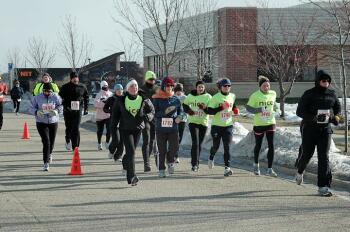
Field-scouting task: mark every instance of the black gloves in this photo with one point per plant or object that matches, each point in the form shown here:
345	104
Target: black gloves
86	112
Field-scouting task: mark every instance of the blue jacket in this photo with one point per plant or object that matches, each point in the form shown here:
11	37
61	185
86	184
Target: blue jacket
39	101
167	108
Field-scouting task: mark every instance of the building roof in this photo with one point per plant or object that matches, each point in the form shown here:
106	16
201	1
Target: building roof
102	61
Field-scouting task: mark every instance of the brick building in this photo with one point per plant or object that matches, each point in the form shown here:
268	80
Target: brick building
232	40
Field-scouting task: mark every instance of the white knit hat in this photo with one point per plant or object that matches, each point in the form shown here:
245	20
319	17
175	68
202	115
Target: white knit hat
130	83
104	83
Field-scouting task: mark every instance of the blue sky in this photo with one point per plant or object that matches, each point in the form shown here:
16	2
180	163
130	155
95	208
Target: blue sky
22	19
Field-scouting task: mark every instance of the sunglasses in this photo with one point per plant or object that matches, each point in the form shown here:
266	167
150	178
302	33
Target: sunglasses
226	86
326	80
170	86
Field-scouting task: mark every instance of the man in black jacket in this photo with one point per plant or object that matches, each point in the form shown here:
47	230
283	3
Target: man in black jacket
149	132
318	107
75	99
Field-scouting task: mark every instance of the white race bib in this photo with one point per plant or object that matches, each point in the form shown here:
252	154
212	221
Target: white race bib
226	116
199	113
326	113
74	105
47	107
167	122
19	100
265	115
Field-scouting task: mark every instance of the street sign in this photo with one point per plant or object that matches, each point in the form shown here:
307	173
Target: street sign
10	65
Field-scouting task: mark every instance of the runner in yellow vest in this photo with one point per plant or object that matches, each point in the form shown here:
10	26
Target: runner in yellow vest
262	104
46	78
195	105
222	106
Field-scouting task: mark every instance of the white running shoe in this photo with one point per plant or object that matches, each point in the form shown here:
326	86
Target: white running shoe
177	160
324	191
299	178
228	171
271	172
210	164
46	167
162	174
99	147
69	146
171	168
256	169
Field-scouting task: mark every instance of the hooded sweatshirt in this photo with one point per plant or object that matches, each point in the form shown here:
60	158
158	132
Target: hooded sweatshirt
42	102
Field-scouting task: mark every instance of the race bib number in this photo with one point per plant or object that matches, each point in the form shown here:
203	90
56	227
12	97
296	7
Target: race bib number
265	115
226	116
19	99
167	122
74	105
48	107
199	113
324	116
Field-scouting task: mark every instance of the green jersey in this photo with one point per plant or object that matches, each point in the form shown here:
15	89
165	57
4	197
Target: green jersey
133	106
223	118
199	117
265	101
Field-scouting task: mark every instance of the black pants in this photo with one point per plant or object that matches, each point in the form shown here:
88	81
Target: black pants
72	121
47	133
131	139
259	132
168	145
100	126
1	112
148	137
224	133
16	104
311	137
181	128
197	134
116	146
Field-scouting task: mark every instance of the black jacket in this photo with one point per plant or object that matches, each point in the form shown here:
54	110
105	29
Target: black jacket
71	92
107	108
16	92
315	99
148	91
126	121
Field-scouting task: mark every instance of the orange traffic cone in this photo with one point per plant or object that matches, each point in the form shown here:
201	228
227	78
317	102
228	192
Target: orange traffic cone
25	132
76	167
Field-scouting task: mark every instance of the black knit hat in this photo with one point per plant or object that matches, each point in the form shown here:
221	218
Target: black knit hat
73	75
262	80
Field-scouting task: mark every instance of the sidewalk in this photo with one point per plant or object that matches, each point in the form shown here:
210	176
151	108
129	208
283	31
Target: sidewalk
101	200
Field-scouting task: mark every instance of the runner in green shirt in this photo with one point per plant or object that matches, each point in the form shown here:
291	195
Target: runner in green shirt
195	105
262	104
222	106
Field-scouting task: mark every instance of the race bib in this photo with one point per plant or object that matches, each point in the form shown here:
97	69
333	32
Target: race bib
198	113
167	122
265	115
325	118
47	107
74	105
19	99
226	116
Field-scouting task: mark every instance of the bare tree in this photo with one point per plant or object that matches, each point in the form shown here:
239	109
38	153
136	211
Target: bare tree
338	29
199	31
132	48
39	55
75	47
284	50
163	18
14	57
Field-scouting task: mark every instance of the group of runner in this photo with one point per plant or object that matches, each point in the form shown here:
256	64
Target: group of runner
160	114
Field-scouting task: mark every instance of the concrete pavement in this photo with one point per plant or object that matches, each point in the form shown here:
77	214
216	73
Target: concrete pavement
101	200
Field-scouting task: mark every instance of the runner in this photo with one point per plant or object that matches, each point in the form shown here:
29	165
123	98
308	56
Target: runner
149	144
46	78
75	99
262	104
46	108
116	147
168	115
16	96
3	92
130	112
102	118
222	106
179	92
195	105
318	107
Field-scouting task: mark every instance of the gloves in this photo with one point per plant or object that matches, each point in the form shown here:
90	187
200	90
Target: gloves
190	112
53	113
321	118
40	113
86	112
225	105
236	111
336	119
202	106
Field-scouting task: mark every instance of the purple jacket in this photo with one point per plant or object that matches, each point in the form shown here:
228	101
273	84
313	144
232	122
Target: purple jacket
41	102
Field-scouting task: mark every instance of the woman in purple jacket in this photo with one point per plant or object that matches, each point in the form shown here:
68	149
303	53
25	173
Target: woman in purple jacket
46	108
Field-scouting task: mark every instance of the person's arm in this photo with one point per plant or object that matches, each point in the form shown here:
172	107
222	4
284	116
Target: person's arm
115	113
59	106
253	110
149	110
302	109
86	101
108	104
